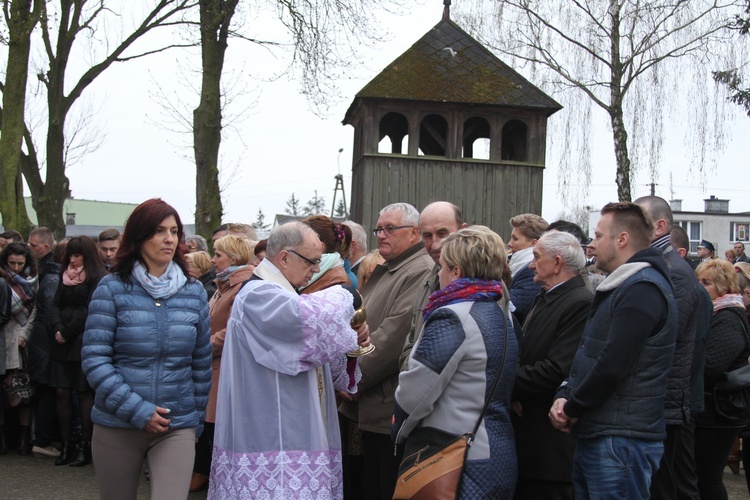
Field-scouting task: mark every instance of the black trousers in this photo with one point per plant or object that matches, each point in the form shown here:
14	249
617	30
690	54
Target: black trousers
676	477
204	449
45	416
380	466
712	446
527	488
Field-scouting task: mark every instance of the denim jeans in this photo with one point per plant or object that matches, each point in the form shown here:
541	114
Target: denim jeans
614	467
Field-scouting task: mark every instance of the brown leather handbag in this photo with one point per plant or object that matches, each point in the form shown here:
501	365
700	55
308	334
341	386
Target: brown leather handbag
433	470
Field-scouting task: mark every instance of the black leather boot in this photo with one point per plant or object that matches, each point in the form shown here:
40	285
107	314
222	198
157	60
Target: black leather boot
24	446
66	454
3	440
83	455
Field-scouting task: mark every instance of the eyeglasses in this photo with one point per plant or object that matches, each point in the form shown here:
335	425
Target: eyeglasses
387	229
315	262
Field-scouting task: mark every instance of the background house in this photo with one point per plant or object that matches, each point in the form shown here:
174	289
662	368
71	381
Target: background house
715	224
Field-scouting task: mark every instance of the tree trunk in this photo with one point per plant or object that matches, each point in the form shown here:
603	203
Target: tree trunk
49	202
619	132
23	18
215	16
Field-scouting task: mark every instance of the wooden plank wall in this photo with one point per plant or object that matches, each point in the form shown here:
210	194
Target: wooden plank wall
488	193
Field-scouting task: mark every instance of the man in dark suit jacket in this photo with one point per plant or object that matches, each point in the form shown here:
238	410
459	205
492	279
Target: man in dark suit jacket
551	335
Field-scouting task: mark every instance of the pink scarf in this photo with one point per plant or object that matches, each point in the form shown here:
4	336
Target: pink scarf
74	276
728	300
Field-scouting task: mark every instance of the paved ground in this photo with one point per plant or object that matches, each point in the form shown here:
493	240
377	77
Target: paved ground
31	478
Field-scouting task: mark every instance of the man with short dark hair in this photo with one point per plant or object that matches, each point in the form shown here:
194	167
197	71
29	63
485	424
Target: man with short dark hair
41	242
676	477
739	253
551	335
613	399
108	244
389	297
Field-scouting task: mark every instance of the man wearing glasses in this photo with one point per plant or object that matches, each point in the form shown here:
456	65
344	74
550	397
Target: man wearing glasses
389	297
283	360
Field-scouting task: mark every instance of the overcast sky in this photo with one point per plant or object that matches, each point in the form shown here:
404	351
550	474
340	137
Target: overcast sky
279	147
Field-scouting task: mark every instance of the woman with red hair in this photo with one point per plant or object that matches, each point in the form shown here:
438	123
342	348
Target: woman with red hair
146	352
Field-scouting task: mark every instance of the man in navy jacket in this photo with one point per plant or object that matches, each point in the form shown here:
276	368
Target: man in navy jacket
613	399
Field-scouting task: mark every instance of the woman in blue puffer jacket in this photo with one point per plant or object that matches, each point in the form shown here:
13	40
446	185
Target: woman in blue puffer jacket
146	353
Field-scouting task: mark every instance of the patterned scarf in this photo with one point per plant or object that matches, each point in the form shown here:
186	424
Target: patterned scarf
226	273
23	290
74	276
728	300
464	290
161	287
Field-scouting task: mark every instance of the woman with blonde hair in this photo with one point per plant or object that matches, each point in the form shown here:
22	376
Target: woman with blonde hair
467	349
201	268
727	348
231	257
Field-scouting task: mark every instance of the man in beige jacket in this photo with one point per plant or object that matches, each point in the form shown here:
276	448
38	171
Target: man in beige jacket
389	298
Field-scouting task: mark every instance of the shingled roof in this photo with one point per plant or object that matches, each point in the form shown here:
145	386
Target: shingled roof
448	65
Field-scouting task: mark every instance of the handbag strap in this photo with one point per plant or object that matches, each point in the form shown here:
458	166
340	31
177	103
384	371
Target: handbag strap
497	378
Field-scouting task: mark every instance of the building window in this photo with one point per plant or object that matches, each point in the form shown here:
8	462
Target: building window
740	231
513	145
433	133
476	142
394	134
693	230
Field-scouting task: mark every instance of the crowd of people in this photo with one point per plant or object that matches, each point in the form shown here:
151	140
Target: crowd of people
306	366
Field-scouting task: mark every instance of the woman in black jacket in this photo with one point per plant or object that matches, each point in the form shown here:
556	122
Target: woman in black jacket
81	271
727	348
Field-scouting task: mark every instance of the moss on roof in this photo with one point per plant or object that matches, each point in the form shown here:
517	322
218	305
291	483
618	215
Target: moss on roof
448	65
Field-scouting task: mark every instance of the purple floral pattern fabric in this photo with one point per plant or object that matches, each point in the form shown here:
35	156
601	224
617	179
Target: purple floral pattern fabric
326	333
276	475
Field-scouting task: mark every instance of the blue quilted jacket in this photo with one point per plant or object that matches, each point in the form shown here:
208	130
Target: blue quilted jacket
139	353
523	291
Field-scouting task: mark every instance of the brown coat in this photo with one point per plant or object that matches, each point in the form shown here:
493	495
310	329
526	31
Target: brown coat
389	297
219	308
334	276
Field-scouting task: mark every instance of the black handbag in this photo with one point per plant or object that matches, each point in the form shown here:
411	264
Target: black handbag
18	386
732	393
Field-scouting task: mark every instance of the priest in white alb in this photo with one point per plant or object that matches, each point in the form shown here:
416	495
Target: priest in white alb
284	357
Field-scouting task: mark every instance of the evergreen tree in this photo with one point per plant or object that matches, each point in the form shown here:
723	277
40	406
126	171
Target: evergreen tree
260	221
340	209
292	206
316	205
